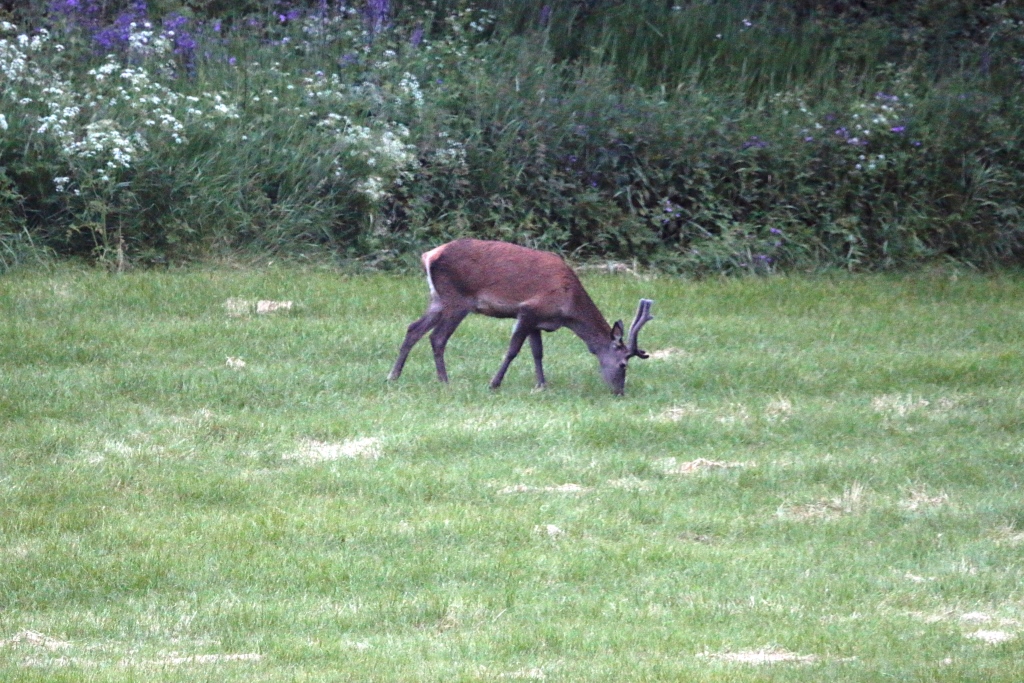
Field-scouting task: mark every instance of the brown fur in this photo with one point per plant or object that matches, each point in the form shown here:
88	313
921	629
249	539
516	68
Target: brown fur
505	280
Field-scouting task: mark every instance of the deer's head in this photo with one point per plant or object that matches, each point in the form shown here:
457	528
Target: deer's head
614	358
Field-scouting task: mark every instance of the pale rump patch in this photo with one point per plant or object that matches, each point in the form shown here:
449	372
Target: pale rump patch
428	258
311	451
561	488
672	466
766	656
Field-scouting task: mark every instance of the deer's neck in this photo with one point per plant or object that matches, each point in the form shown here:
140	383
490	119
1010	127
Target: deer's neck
589	323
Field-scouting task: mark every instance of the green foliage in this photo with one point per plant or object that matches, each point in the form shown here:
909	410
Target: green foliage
699	137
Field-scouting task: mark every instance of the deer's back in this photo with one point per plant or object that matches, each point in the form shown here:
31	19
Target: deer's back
497	278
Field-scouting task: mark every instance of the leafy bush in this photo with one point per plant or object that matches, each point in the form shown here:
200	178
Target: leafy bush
724	137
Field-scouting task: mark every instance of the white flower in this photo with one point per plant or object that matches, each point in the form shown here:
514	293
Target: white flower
3	122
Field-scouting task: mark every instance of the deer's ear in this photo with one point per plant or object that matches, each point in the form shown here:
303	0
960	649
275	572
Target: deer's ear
617	331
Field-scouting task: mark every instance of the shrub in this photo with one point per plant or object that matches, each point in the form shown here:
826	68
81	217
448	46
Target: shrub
699	138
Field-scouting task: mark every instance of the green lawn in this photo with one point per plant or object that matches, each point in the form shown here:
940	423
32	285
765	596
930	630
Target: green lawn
812	479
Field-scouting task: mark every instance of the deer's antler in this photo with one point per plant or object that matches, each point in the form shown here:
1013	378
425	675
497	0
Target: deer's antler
643	315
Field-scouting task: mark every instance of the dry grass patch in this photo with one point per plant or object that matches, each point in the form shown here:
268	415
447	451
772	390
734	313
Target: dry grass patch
534	674
990	629
734	413
182	660
549	530
630	483
772	655
677	413
850	502
991	637
1007	535
899	406
778	410
33	640
920	499
561	488
673	466
665	354
312	451
238	308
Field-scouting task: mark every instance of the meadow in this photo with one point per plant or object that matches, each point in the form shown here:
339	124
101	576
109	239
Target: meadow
813	477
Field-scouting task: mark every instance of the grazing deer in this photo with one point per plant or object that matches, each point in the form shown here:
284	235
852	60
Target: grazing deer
536	288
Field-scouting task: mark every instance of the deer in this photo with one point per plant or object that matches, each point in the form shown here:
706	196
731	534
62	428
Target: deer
537	288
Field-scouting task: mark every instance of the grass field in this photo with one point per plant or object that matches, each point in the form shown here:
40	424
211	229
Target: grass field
814	478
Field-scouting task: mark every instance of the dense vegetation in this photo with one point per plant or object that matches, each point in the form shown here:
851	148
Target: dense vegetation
694	136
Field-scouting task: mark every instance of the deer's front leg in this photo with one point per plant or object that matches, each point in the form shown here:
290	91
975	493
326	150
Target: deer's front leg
519	334
537	346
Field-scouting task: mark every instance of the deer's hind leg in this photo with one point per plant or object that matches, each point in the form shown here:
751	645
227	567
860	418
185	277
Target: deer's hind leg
443	331
415	332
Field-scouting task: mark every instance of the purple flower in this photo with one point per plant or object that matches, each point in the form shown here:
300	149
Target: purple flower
174	22
376	15
755	142
232	61
809	138
84	13
898	129
115	36
416	38
545	15
775	231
